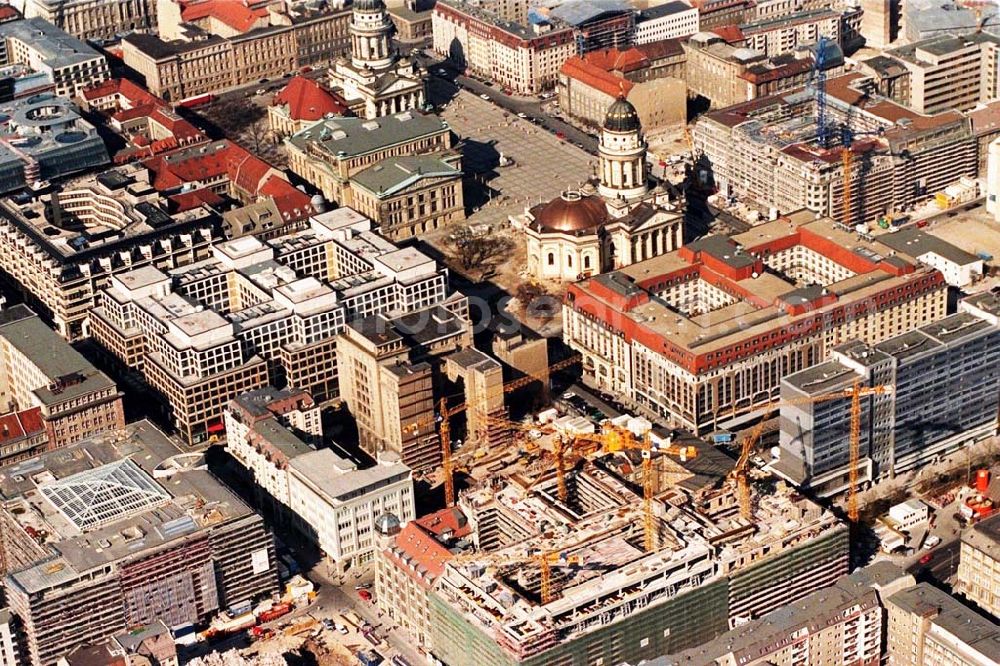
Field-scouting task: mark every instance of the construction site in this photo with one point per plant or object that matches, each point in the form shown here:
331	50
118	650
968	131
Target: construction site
837	148
621	546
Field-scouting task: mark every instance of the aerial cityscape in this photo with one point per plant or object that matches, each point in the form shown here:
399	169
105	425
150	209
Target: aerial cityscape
499	332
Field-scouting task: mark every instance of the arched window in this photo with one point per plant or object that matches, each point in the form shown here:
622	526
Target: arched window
552	259
586	262
569	260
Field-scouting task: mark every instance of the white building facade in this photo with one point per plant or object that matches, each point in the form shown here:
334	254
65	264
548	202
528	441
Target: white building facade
667	21
337	505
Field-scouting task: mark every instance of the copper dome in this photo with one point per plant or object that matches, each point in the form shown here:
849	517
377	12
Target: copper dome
571	212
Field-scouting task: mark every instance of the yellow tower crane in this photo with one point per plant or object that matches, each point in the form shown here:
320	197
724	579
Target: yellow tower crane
545	562
443	420
613	439
749	445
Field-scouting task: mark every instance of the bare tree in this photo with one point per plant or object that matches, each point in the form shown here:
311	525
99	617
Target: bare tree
480	253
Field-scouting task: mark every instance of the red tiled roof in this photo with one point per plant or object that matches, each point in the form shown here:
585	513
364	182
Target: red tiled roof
233	13
16	425
195	199
307	100
595	77
131	92
224	159
7	12
247	171
614	60
293	204
731	33
449	519
661	49
422	550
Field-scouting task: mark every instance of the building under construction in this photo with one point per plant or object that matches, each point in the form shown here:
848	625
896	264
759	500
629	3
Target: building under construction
118	531
572	582
770	151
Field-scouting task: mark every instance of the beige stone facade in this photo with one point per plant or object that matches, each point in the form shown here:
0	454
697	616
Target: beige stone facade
979	565
388	379
38	369
328	153
407	196
928	627
204	63
523	59
95	19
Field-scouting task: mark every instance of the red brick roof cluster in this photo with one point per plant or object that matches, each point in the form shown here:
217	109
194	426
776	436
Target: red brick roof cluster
237	15
226	162
308	100
730	33
18	425
132	102
591	75
449	520
422	552
614	60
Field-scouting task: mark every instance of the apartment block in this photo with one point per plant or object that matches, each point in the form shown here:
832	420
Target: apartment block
204	52
265	429
39	369
82	565
525	59
916	423
339	506
260	312
22	435
667	20
765	151
95	19
68	63
777	36
949	72
979	565
837	625
114	222
409	562
10	652
928	627
391	376
330	152
703	335
726	74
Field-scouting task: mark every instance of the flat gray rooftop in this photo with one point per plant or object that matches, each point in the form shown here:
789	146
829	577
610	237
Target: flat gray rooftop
339	479
944	610
26	332
916	243
191	501
823	378
58	48
985	536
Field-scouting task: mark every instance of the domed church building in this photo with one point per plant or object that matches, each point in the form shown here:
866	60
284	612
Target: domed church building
613	221
374	80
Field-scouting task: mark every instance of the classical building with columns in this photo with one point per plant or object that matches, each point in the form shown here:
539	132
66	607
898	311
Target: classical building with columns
375	81
615	220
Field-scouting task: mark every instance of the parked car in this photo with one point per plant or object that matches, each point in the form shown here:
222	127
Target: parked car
926	558
485	96
931	542
365	595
